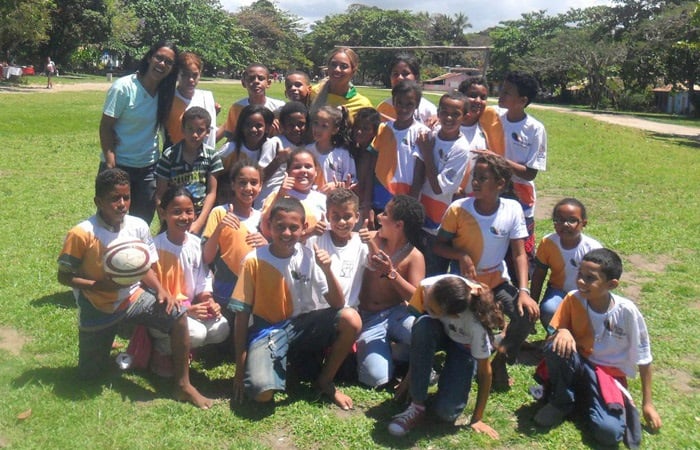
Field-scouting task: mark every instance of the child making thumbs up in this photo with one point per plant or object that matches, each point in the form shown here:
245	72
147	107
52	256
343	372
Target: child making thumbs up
347	251
275	317
232	230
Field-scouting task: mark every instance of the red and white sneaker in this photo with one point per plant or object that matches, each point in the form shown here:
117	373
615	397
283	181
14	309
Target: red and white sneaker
402	423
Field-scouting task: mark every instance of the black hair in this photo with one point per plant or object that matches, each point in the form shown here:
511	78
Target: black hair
166	87
411	212
171	193
108	179
497	165
287	204
410	61
254	66
370	115
300	150
454	95
571	202
339	116
341	196
196	112
293	107
471	81
406	86
250	110
609	262
525	83
298	72
241	162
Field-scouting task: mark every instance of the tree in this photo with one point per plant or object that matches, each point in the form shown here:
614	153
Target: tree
24	26
516	39
683	58
364	25
201	26
275	36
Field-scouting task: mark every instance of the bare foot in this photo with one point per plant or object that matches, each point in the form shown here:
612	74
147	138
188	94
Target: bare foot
341	400
189	393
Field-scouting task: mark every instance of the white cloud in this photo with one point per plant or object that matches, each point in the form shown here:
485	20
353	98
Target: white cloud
481	14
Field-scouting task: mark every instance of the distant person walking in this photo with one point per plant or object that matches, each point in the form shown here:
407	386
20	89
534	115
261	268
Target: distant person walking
50	71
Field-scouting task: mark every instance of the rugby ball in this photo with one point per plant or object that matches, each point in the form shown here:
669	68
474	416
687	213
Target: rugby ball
127	261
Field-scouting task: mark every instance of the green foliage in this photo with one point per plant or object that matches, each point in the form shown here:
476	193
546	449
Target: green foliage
76	23
202	26
364	26
275	36
644	211
24	26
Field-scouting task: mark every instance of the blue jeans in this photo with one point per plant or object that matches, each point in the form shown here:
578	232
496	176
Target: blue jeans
375	365
550	302
573	379
428	336
519	326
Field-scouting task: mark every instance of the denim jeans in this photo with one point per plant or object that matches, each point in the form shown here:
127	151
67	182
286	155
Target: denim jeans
428	337
551	300
374	351
573	380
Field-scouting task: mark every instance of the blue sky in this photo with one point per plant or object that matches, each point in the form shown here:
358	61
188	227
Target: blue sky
481	13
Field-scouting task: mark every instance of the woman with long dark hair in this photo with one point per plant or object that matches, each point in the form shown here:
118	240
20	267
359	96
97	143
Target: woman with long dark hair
137	105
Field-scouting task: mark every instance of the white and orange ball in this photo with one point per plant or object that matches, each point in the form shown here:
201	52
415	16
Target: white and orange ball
127	261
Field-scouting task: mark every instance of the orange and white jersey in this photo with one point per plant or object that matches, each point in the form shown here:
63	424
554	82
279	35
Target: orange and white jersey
83	252
232	245
450	159
616	338
396	159
526	144
180	268
485	238
275	289
562	263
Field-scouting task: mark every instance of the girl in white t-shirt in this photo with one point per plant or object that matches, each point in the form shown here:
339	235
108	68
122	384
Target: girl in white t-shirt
329	128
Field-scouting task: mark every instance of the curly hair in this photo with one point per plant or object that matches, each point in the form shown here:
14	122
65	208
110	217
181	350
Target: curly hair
454	295
411	212
108	179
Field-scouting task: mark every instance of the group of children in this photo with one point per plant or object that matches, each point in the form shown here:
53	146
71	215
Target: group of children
287	212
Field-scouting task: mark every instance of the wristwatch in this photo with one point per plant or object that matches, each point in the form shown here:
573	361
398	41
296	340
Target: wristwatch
392	274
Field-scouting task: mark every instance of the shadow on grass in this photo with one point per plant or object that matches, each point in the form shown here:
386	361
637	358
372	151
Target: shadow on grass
691	142
59	299
429	428
66	384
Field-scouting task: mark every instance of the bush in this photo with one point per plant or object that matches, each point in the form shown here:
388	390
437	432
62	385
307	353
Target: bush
635	101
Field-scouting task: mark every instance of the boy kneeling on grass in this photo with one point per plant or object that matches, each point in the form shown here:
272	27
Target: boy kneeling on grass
599	339
103	304
276	287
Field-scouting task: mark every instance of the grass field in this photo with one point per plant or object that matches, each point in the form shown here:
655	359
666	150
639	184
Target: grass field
641	191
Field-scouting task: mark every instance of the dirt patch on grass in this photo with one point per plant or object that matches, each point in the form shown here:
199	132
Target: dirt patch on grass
683	382
640	270
11	340
279	440
545	205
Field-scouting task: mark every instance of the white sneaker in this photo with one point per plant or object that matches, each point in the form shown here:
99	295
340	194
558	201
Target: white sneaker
402	423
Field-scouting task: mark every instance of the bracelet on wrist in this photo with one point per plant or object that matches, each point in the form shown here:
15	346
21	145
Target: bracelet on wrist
524	289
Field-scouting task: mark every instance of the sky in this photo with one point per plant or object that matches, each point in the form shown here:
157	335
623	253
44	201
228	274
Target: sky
478	11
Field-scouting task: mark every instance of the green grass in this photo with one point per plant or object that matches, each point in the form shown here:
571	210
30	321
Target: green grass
641	194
